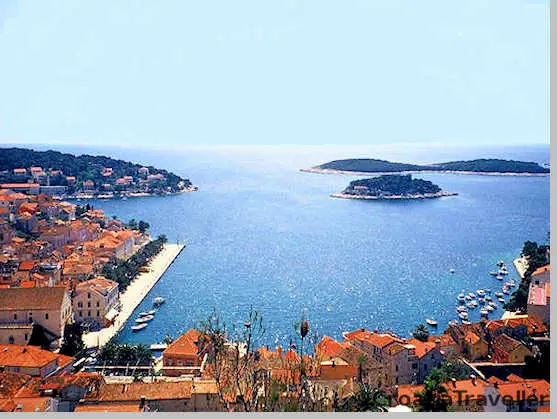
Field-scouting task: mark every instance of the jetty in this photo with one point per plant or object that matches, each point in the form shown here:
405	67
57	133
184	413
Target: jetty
134	294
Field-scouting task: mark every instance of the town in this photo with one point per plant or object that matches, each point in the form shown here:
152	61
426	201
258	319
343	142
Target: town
63	278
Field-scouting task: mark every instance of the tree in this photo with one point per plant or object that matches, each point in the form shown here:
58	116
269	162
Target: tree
365	399
143	226
168	339
72	343
133	224
434	396
421	332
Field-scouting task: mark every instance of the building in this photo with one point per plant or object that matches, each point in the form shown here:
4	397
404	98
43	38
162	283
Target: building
471	340
541	275
184	356
159	396
49	308
33	361
27	188
509	350
539	301
96	300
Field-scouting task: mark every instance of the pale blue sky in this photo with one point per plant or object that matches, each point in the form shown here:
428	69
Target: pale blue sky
274	72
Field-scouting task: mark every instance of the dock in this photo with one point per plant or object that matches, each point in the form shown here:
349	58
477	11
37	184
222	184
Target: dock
134	295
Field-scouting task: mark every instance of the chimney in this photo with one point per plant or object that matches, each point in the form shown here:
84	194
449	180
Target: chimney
473	378
142	402
333	363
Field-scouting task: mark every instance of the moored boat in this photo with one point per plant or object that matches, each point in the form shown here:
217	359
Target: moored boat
151	312
431	322
499	277
461	308
139	327
501	299
463	315
461	297
481	293
493	273
144	319
157	301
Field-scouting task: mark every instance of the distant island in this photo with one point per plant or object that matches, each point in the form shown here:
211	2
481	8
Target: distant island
479	166
85	176
392	187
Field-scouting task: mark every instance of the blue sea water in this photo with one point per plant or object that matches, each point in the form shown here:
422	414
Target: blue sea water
261	233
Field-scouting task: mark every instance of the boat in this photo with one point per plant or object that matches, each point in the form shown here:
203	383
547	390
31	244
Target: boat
500	263
488	298
481	300
501	299
431	322
144	319
143	314
453	323
463	315
481	293
503	272
157	301
484	312
487	290
460	297
470	305
492	304
139	327
151	312
452	270
472	295
490	308
498	294
499	277
465	322
506	291
461	308
493	273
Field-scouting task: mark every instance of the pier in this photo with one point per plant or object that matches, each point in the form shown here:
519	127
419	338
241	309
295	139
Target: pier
134	294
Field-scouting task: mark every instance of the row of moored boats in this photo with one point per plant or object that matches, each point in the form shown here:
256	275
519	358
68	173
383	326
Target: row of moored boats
146	316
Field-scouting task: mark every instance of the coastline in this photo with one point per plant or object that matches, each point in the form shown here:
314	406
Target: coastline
410	172
193	188
134	294
394	197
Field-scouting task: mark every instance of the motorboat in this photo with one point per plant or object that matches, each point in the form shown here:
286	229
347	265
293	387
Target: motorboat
157	301
481	293
151	312
468	298
431	322
487	290
453	323
500	263
503	272
484	312
488	298
498	294
139	327
492	304
466	322
463	315
472	295
461	297
143	314
501	299
461	309
499	277
144	319
481	300
452	270
493	273
470	305
506	291
490	308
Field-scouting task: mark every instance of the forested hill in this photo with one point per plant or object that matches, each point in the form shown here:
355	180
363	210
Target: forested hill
479	165
99	169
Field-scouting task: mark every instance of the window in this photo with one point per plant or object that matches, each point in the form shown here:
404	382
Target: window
11	340
15	316
81	314
98	304
26	337
396	368
89	313
98	313
46	316
179	363
80	304
88	304
415	366
88	295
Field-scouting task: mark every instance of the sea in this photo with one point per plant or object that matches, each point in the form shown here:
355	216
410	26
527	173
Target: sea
261	235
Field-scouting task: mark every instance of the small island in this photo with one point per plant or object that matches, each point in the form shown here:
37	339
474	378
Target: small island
68	176
478	167
392	187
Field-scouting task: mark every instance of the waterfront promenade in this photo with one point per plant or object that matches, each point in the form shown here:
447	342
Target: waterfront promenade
134	294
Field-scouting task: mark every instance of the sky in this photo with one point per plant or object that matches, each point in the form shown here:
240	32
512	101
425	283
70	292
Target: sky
221	73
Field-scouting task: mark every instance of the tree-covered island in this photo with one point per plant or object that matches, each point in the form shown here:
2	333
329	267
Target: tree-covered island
392	187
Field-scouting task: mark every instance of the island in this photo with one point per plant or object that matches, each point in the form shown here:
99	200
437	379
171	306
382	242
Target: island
84	176
392	187
478	166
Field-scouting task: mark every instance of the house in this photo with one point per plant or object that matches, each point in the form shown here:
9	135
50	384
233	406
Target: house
27	188
539	301
517	327
89	185
541	275
20	172
447	344
159	396
96	299
509	350
184	356
49	308
33	361
521	395
471	340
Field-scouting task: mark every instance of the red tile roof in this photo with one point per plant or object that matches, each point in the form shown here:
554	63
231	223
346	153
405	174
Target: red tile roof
185	345
546	268
29	356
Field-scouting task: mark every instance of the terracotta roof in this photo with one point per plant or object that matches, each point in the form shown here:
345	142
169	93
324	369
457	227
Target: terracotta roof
422	348
184	345
471	338
26	356
152	391
445	339
506	343
30	404
49	298
328	347
376	339
11	383
473	388
19	185
99	284
109	407
537	388
27	265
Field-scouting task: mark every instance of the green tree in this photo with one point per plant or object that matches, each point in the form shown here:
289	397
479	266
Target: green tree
365	399
143	226
434	396
421	332
72	343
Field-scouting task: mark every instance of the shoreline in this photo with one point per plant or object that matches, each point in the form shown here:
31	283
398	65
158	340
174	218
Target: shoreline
410	172
394	197
128	195
134	294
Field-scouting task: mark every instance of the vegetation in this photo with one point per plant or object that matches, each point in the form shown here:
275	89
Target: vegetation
142	226
84	167
124	354
479	165
125	271
434	396
387	185
365	399
72	343
421	332
536	255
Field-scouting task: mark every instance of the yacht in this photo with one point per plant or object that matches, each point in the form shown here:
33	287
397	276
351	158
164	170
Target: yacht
139	327
157	301
151	312
143	314
472	295
493	273
144	319
498	294
463	315
460	297
501	299
503	272
470	305
506	291
431	322
490	308
461	309
484	312
481	300
452	270
481	293
488	298
499	277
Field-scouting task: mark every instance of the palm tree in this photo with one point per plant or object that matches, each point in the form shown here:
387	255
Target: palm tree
366	399
421	332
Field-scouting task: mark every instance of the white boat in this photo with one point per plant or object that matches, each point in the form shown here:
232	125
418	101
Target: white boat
461	308
471	295
463	315
498	294
484	312
143	314
481	300
157	301
501	299
500	263
461	297
465	322
492	304
151	312
499	277
506	291
493	273
470	305
488	298
481	293
431	322
487	290
453	323
144	319
489	308
452	270
503	272
139	327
